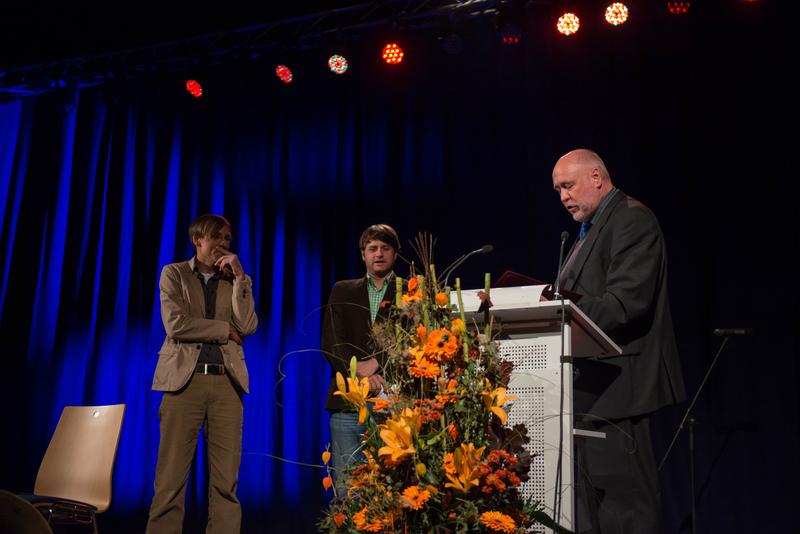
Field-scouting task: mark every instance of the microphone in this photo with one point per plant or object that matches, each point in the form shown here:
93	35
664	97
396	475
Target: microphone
485	249
557	292
727	332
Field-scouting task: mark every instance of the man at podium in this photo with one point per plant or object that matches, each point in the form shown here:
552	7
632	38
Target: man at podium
619	266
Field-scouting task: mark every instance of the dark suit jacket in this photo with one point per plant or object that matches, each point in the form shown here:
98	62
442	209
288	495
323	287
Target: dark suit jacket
621	271
347	330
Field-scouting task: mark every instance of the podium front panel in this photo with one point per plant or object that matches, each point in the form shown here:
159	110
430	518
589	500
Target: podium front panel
536	380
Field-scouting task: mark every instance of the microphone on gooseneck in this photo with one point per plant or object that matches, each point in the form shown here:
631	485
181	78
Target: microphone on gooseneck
557	292
485	249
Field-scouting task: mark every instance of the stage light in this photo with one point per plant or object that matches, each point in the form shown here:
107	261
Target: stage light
392	54
616	14
194	88
510	33
678	8
284	73
568	24
337	64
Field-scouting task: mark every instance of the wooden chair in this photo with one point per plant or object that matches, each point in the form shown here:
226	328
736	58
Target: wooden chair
74	479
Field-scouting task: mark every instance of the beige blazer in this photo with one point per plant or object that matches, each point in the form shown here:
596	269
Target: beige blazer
183	314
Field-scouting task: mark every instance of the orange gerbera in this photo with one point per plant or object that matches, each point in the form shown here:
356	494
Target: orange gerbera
442	345
448	395
415	497
498	522
422	366
365	524
364	476
441	299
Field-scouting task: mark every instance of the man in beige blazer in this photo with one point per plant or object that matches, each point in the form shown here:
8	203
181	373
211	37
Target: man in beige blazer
207	309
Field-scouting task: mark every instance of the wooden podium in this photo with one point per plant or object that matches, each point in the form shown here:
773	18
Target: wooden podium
531	338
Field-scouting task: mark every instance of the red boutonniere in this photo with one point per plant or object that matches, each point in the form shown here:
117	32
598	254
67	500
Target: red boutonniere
385	304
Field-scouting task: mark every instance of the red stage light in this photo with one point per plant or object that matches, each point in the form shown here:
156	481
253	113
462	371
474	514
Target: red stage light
337	64
678	8
511	33
194	88
568	24
616	13
284	73
392	54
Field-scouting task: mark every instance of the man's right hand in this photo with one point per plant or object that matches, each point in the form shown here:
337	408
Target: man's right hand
375	384
367	368
234	334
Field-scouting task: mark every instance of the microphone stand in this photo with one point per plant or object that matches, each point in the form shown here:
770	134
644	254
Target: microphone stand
557	295
691	422
557	289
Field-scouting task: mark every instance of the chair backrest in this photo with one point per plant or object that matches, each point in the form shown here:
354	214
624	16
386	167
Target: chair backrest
79	461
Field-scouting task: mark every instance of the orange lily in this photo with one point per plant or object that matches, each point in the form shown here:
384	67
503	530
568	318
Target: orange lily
398	435
355	392
495	399
466	459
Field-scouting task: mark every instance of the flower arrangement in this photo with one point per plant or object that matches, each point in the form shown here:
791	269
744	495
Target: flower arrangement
437	456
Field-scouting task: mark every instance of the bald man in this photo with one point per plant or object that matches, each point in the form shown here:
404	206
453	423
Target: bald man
619	266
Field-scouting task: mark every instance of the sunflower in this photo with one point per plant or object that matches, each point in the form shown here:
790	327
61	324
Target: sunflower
498	522
414	497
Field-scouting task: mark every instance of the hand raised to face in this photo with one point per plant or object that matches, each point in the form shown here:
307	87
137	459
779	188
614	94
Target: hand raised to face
229	262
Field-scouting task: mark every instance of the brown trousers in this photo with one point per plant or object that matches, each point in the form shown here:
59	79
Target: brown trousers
215	401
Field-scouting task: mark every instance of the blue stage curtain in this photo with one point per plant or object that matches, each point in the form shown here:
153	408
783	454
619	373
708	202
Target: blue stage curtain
98	186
